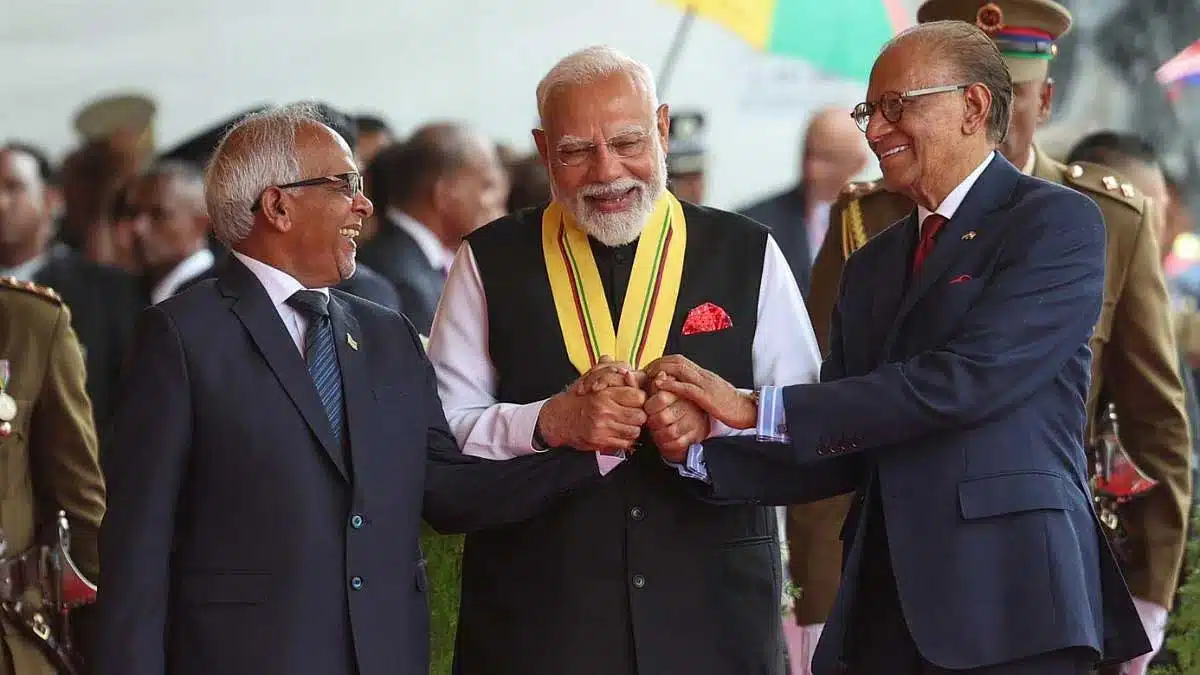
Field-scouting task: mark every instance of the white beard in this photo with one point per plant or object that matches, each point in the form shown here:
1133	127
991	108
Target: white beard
617	229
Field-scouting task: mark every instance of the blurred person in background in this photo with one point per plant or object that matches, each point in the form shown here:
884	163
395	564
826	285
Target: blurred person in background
834	152
170	227
439	186
374	134
529	183
687	157
103	301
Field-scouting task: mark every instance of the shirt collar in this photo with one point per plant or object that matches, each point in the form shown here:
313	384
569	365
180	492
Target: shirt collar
187	268
950	204
278	284
27	270
438	255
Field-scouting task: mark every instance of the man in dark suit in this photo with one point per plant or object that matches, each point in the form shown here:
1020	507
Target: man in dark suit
103	301
441	184
798	217
277	444
952	400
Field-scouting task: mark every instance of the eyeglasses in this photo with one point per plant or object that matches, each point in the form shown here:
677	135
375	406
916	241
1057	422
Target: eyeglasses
891	104
628	145
349	184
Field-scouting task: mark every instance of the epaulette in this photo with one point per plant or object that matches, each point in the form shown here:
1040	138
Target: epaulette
854	191
1100	180
854	234
44	292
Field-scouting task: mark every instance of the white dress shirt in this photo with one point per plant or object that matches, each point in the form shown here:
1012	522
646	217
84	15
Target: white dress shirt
950	204
816	228
440	257
187	268
280	286
784	352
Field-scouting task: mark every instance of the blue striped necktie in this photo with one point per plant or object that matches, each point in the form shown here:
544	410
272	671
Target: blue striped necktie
321	356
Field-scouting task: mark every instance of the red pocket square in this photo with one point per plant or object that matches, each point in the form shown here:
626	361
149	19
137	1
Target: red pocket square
960	278
706	318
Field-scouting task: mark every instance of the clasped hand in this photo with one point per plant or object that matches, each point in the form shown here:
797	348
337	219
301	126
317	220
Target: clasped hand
607	408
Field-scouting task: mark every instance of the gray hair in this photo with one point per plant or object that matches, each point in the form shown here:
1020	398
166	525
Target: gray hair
975	59
263	154
591	64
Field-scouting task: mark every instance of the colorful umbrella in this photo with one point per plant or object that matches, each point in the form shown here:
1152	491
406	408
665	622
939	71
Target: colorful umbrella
837	38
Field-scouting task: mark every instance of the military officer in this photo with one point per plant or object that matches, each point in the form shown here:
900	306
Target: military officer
687	156
48	441
1134	360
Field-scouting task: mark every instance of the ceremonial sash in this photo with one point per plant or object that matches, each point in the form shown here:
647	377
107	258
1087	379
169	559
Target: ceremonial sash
579	299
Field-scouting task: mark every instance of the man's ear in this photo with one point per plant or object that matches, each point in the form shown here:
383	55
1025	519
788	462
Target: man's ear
977	101
276	209
1045	102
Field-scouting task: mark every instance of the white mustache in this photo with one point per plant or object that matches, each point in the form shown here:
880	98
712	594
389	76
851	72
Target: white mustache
614	189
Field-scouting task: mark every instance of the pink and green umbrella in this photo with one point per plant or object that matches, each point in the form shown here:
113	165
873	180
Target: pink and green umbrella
838	38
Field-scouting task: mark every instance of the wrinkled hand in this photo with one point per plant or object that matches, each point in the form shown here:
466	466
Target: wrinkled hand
601	412
608	373
675	424
678	375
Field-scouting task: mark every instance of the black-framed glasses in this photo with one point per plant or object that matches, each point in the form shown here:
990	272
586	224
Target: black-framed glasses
627	145
891	104
350	184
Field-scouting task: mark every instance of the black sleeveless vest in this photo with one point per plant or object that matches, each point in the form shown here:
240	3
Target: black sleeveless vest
635	574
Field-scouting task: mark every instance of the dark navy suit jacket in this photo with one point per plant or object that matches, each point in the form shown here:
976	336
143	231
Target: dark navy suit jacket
240	539
957	399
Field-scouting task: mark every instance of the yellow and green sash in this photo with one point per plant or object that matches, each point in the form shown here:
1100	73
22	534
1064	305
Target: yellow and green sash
649	305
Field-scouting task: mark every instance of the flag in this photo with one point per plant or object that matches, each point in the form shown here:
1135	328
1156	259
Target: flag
837	38
1183	70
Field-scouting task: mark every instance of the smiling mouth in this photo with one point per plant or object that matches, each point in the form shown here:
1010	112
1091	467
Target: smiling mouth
894	151
349	232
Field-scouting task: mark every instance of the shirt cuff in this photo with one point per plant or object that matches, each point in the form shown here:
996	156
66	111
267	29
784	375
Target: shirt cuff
1154	620
718	429
521	427
772	425
693	467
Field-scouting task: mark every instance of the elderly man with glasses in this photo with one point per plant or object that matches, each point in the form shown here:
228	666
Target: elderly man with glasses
277	443
952	400
1133	357
547	317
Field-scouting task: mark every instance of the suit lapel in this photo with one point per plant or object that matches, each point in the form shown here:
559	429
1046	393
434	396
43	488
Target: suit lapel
254	309
894	263
991	191
348	337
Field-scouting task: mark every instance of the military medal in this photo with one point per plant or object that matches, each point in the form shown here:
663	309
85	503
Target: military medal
8	405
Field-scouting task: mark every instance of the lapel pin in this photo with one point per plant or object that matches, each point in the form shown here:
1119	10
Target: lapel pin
969	235
350	341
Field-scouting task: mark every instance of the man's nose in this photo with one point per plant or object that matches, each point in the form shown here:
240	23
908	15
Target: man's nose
606	165
362	205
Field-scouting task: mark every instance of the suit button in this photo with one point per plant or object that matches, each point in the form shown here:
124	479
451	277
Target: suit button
356	521
356	583
639	581
636	513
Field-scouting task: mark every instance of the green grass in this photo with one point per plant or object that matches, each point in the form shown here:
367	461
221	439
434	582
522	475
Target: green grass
444	556
1183	630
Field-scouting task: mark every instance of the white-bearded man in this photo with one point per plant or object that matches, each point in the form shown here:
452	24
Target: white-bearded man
547	319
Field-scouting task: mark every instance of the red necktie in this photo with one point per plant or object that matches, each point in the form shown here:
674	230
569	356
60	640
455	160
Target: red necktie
929	231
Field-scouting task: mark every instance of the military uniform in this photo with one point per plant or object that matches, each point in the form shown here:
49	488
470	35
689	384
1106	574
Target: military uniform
687	156
48	447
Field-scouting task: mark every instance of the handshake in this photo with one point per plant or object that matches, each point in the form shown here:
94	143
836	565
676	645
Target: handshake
608	407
